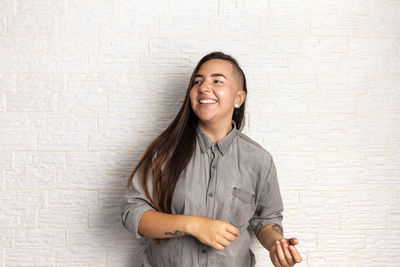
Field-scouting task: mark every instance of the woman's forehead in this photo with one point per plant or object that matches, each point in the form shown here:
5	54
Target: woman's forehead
216	66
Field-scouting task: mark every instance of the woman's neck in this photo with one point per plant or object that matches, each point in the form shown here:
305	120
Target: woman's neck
216	131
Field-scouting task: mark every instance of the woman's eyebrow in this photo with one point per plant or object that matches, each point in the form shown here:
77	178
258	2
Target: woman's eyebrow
212	75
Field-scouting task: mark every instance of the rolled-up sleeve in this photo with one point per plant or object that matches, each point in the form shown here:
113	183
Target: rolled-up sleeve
135	204
269	205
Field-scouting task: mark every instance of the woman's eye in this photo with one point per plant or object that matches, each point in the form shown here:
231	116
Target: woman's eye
198	82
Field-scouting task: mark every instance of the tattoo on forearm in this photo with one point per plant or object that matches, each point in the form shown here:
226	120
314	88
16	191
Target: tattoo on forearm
277	228
177	233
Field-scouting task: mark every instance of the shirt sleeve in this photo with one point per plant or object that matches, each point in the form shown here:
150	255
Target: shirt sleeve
135	203
269	206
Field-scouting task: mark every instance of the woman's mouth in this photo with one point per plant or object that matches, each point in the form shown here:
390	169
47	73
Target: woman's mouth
207	101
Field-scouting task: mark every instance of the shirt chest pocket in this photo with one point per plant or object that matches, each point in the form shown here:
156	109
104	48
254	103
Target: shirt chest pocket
242	207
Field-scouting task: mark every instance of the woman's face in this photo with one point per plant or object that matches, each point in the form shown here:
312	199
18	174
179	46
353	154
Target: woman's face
215	81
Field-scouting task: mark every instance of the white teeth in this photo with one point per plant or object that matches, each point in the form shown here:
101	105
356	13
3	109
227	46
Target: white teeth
208	101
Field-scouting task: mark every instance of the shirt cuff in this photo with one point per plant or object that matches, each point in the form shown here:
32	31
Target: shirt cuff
133	217
260	225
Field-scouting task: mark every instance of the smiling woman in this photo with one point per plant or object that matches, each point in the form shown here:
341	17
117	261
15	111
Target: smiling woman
202	185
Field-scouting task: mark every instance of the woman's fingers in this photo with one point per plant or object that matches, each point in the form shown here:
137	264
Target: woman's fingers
281	254
285	248
218	246
233	230
229	236
296	255
274	257
293	241
276	260
223	242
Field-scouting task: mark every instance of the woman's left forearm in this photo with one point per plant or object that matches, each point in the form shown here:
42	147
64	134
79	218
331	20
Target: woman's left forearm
269	234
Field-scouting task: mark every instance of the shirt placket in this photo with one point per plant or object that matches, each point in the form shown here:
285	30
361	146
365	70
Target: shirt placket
210	200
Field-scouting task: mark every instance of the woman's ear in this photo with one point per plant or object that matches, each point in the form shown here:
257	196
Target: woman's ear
240	97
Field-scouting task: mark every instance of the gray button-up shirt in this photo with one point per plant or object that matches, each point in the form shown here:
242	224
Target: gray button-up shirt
234	180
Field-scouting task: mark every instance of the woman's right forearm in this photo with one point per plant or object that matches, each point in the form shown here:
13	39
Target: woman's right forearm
157	224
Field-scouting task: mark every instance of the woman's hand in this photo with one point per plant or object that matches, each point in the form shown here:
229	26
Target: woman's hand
284	254
214	233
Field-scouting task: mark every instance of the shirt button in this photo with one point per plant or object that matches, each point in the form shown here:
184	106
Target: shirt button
210	194
204	250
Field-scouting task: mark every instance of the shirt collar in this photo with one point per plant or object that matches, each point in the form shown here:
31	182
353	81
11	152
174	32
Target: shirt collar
223	144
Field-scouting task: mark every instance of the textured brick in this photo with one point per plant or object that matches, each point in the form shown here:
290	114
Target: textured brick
374	257
94	160
261	64
80	179
181	26
62	141
63	217
7	82
6	238
319	55
108	214
394	218
354	218
17	141
39	237
30	178
90	238
46	159
80	256
237	45
380	240
338	25
54	64
374	138
382	21
6	160
91	83
341	239
288	8
232	25
149	8
82	102
113	64
44	256
343	7
343	85
67	45
19	208
72	198
382	97
27	123
34	23
122	45
288	25
40	82
331	258
173	45
163	63
251	7
85	17
135	24
284	85
31	102
73	123
374	201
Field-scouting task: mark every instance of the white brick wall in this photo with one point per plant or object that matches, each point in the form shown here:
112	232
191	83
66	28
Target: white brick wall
85	85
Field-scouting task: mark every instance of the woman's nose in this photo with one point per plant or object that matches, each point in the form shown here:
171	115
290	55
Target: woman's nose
205	86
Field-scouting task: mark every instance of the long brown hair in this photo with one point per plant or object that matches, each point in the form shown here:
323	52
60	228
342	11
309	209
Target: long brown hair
169	153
